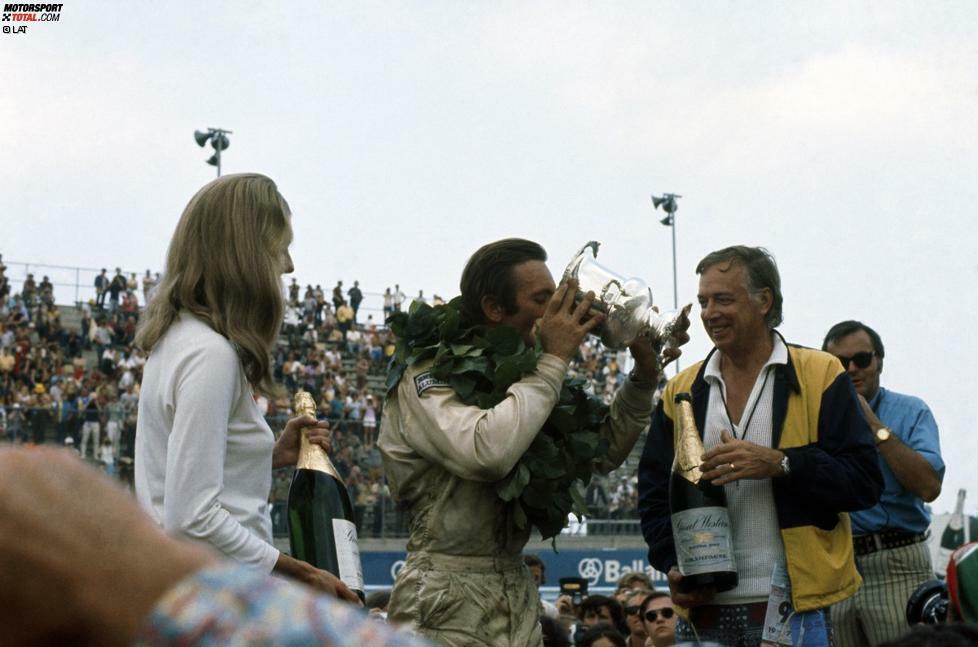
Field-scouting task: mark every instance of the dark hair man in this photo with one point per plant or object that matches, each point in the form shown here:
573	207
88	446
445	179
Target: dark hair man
894	530
101	288
785	437
538	572
659	619
464	582
599	608
356	297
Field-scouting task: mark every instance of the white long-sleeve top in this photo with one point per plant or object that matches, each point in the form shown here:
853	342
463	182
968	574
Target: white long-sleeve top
203	450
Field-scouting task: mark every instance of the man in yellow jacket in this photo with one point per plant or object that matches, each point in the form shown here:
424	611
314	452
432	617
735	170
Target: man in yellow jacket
786	439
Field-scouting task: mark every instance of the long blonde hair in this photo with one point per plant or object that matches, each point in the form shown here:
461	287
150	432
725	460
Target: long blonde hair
224	265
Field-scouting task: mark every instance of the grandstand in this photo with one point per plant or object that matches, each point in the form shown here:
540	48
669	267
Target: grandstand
69	373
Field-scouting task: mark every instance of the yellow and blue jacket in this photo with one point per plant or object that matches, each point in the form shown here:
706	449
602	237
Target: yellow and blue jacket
817	423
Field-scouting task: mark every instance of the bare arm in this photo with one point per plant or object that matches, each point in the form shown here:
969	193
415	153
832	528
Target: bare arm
95	565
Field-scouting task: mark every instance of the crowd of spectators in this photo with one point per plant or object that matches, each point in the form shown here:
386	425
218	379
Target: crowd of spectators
78	385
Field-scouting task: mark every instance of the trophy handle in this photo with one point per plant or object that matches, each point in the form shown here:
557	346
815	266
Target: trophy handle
662	325
613	283
593	244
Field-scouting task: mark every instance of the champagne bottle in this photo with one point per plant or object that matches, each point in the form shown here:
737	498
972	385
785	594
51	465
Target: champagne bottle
700	521
955	534
322	531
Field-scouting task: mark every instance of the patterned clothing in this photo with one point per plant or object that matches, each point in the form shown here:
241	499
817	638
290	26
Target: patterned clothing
742	625
231	605
877	612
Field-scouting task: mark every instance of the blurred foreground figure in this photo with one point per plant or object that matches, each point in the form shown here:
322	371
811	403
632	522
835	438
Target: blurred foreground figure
103	574
890	539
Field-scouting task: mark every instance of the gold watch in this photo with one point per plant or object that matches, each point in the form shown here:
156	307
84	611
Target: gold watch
882	435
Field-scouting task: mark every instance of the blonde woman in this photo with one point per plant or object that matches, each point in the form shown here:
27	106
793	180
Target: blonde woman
204	453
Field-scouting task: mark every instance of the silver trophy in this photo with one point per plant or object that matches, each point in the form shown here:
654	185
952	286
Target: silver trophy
626	302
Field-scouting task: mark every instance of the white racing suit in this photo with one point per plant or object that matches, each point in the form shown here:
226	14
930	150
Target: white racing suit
464	582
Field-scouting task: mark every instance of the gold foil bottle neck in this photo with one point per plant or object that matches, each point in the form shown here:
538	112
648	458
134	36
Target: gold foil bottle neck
311	456
689	446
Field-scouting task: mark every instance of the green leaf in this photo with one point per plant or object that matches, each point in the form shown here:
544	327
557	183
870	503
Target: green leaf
519	516
394	376
512	486
507	373
472	365
504	340
462	349
462	384
528	360
449	324
580	504
584	442
562	420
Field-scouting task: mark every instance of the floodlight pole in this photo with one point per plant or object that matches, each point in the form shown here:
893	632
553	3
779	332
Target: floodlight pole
675	284
219	138
219	141
668	204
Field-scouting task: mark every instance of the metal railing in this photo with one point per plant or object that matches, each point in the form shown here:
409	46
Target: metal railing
80	283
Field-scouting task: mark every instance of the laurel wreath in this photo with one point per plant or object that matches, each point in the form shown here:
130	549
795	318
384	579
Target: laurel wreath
480	364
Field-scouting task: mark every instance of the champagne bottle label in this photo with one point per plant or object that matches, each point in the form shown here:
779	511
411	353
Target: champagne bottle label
348	553
703	541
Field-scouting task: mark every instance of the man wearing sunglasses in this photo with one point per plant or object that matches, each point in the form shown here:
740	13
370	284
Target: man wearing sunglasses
889	538
659	619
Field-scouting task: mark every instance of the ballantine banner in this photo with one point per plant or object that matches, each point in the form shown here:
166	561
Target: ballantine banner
601	568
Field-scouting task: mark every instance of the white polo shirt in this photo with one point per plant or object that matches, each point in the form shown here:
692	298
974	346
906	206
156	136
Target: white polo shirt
753	519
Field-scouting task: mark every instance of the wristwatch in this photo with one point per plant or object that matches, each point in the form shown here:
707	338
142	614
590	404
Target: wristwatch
882	435
785	466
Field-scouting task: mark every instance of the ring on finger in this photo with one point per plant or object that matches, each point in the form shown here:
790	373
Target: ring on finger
732	467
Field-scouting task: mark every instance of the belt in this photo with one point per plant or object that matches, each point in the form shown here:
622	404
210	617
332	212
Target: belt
866	544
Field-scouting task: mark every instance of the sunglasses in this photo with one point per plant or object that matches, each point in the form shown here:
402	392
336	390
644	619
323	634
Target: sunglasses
653	614
861	360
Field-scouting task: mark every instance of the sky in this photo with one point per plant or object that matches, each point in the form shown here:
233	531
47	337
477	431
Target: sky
840	135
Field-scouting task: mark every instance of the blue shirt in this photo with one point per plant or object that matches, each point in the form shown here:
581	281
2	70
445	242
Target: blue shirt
910	419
